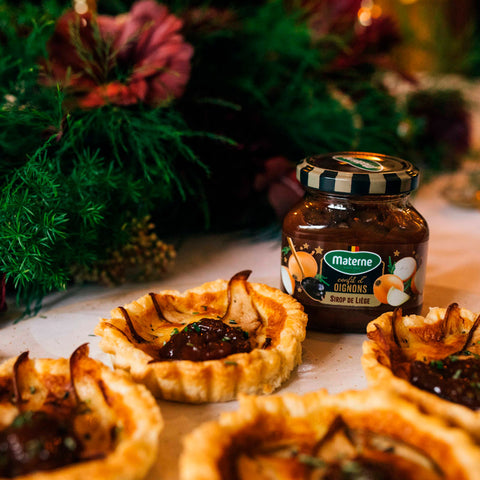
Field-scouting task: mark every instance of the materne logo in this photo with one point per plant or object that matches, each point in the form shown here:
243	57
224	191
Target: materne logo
352	263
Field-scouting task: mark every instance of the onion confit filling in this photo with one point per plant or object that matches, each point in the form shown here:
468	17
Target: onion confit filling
342	453
47	438
207	339
455	378
37	441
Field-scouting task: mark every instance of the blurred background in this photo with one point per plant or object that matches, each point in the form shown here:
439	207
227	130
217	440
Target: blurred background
127	126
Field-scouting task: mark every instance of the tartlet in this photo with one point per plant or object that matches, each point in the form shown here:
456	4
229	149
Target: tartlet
271	322
434	361
369	433
74	419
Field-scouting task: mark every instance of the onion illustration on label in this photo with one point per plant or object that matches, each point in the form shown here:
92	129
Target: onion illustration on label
390	288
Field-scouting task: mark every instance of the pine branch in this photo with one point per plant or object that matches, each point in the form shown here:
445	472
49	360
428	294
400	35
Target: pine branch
159	138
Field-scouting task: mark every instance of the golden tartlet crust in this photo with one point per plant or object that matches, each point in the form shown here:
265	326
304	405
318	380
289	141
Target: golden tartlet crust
275	322
240	443
389	351
97	402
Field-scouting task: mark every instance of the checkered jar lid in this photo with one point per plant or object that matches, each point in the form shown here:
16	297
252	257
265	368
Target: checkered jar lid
358	173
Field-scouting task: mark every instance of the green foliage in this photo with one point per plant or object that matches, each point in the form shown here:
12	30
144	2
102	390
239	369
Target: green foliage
286	80
51	221
283	80
27	111
148	145
67	205
72	180
380	118
34	231
439	133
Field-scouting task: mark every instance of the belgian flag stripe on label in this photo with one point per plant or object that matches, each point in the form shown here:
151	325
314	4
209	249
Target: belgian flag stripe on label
354	248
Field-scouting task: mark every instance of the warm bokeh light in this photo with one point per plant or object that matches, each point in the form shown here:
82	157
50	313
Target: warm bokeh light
367	12
365	17
376	11
84	6
80	6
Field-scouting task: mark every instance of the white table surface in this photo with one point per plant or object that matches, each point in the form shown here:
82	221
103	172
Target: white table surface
329	361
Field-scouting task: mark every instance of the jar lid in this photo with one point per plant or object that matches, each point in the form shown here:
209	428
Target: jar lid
358	173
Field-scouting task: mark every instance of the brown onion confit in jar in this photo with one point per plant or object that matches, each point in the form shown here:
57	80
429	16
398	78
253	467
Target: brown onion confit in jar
354	247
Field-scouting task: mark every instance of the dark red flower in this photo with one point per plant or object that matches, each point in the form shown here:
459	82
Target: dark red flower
327	17
364	43
205	20
136	57
279	181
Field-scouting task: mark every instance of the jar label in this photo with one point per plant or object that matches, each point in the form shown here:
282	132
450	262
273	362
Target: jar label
367	164
354	276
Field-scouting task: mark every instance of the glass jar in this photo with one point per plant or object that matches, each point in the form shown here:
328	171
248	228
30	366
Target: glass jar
354	247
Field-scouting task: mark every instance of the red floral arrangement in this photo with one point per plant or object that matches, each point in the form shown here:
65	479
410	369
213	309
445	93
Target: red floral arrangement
136	57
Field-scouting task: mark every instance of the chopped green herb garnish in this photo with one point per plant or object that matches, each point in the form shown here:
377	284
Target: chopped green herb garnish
174	331
457	374
205	308
311	461
22	419
473	354
195	313
226	339
195	327
352	467
70	443
34	447
453	358
189	344
246	334
233	322
437	364
229	362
